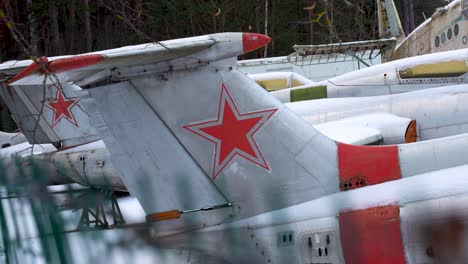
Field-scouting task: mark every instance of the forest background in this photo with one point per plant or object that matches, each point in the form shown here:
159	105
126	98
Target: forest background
56	27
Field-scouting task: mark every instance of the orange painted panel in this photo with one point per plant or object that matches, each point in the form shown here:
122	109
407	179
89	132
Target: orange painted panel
168	215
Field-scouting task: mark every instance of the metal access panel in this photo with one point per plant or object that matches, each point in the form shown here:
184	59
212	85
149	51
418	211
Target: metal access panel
319	247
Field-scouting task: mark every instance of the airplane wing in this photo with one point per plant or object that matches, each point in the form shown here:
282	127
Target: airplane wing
344	48
362	51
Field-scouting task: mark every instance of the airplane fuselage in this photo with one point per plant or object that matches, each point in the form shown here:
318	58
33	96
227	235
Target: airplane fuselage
439	112
406	75
415	220
446	29
88	164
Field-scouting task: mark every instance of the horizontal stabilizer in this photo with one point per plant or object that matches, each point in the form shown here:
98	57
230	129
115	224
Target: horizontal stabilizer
178	54
369	129
356	135
128	56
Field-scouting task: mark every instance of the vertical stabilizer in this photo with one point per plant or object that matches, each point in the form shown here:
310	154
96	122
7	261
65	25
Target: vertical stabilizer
258	153
49	113
389	21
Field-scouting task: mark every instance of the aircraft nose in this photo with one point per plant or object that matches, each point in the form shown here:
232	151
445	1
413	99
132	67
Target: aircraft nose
253	41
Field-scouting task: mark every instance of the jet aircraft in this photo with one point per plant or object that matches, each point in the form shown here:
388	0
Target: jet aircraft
410	74
269	186
445	30
266	167
77	154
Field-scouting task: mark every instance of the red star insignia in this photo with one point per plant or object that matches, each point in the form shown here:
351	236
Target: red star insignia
232	133
62	108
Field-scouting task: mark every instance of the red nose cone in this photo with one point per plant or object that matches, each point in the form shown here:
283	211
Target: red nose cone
253	41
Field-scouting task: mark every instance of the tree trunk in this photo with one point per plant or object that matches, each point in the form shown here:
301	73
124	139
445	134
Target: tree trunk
137	6
34	35
265	52
212	14
189	3
10	13
406	4
87	20
72	27
411	26
311	17
299	28
54	30
272	27
5	37
15	49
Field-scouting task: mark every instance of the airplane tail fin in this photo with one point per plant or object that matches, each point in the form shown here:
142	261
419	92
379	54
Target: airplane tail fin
226	128
389	21
48	112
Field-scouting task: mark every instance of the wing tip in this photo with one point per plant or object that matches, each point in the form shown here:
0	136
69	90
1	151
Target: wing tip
60	65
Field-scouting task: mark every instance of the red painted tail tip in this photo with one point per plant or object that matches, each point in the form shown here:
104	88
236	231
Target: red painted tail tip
60	65
75	62
32	68
253	41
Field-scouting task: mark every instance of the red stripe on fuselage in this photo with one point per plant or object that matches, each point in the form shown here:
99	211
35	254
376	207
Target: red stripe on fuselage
372	236
367	165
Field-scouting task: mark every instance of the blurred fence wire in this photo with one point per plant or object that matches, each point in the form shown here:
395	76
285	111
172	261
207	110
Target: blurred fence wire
35	228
